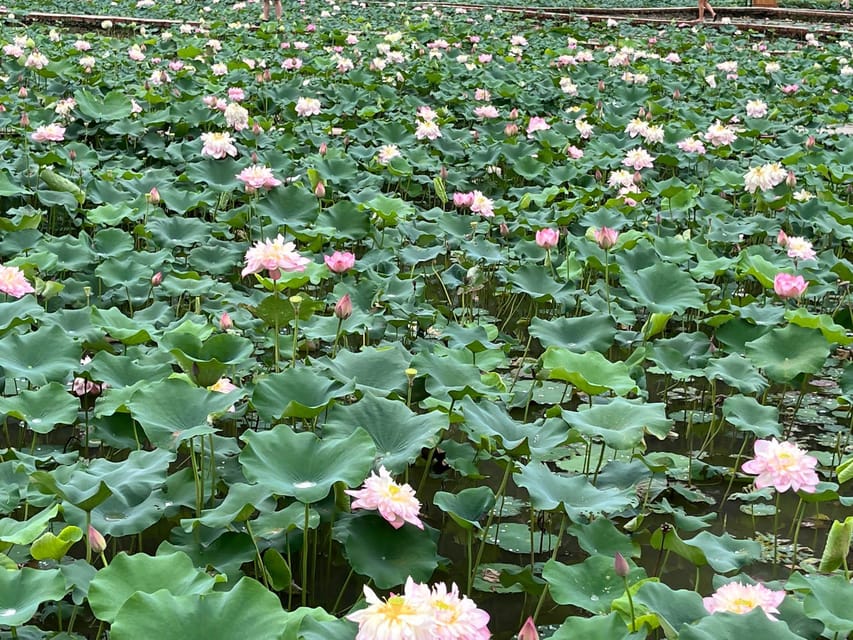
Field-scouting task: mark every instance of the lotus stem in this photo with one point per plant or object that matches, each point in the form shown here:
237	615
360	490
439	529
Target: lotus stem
491	517
734	471
553	557
305	556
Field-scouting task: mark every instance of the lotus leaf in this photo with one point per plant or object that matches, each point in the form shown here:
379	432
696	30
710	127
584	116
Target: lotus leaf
621	423
23	591
591	585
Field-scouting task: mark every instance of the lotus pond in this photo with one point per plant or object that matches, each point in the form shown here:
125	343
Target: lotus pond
387	297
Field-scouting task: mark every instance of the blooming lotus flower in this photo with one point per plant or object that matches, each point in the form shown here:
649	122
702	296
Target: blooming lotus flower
36	60
275	256
13	282
236	94
454	617
638	159
49	133
537	123
719	134
606	237
486	112
692	145
396	503
764	177
787	286
736	597
547	238
257	177
799	248
482	205
340	261
427	129
462	199
306	107
783	466
218	145
396	618
756	108
386	153
223	385
236	116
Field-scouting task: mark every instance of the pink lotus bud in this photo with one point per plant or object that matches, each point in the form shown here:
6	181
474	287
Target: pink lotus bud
601	86
782	238
810	142
791	180
511	129
443	172
254	158
25	119
153	196
96	540
641	113
256	129
513	114
343	308
72	155
225	322
638	177
156	279
504	230
620	565
267	75
606	237
259	78
22	92
598	175
547	238
323	148
320	190
676	95
528	631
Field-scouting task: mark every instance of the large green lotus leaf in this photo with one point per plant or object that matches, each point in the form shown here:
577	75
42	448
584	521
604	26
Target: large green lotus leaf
299	392
663	288
490	422
601	537
130	574
674	609
219	174
604	627
21	311
241	501
725	553
399	433
177	231
590	372
516	537
448	378
54	546
9	188
207	360
377	370
184	416
24	532
591	585
747	414
13	485
785	353
299	618
467	506
386	555
833	333
621	423
223	551
43	408
302	465
46	355
316	630
126	330
531	280
580	499
754	625
581	334
73	484
474	338
249	610
738	372
123	370
21	593
271	525
828	600
113	106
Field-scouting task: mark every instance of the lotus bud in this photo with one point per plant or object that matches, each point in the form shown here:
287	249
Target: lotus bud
638	177
320	190
649	116
504	229
620	565
96	540
323	148
25	119
791	180
782	238
267	75
641	113
153	196
22	92
256	129
259	78
443	172
676	95
343	308
528	631
601	86
606	237
254	158
810	141
72	155
511	129
156	279
513	114
225	322
598	175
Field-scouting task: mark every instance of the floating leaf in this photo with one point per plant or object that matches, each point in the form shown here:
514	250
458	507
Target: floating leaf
22	592
785	353
591	585
297	392
621	424
590	372
467	506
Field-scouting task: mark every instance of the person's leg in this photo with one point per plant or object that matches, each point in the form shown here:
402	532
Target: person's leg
710	10
701	10
278	9
266	13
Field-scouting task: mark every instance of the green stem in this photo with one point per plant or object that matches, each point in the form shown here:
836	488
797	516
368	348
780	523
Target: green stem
258	553
305	556
631	606
498	495
342	591
553	557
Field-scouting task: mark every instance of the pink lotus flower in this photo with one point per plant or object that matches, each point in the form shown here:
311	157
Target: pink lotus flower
218	145
573	152
736	597
96	540
788	89
49	133
275	256
236	94
13	282
462	199
537	123
764	177
306	107
396	618
691	145
547	238
482	205
638	159
225	322
223	385
787	286
606	237
343	307
427	129
719	134
528	631
257	177
783	466
340	261
486	112
386	153
396	503
236	116
756	108
799	248
454	617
